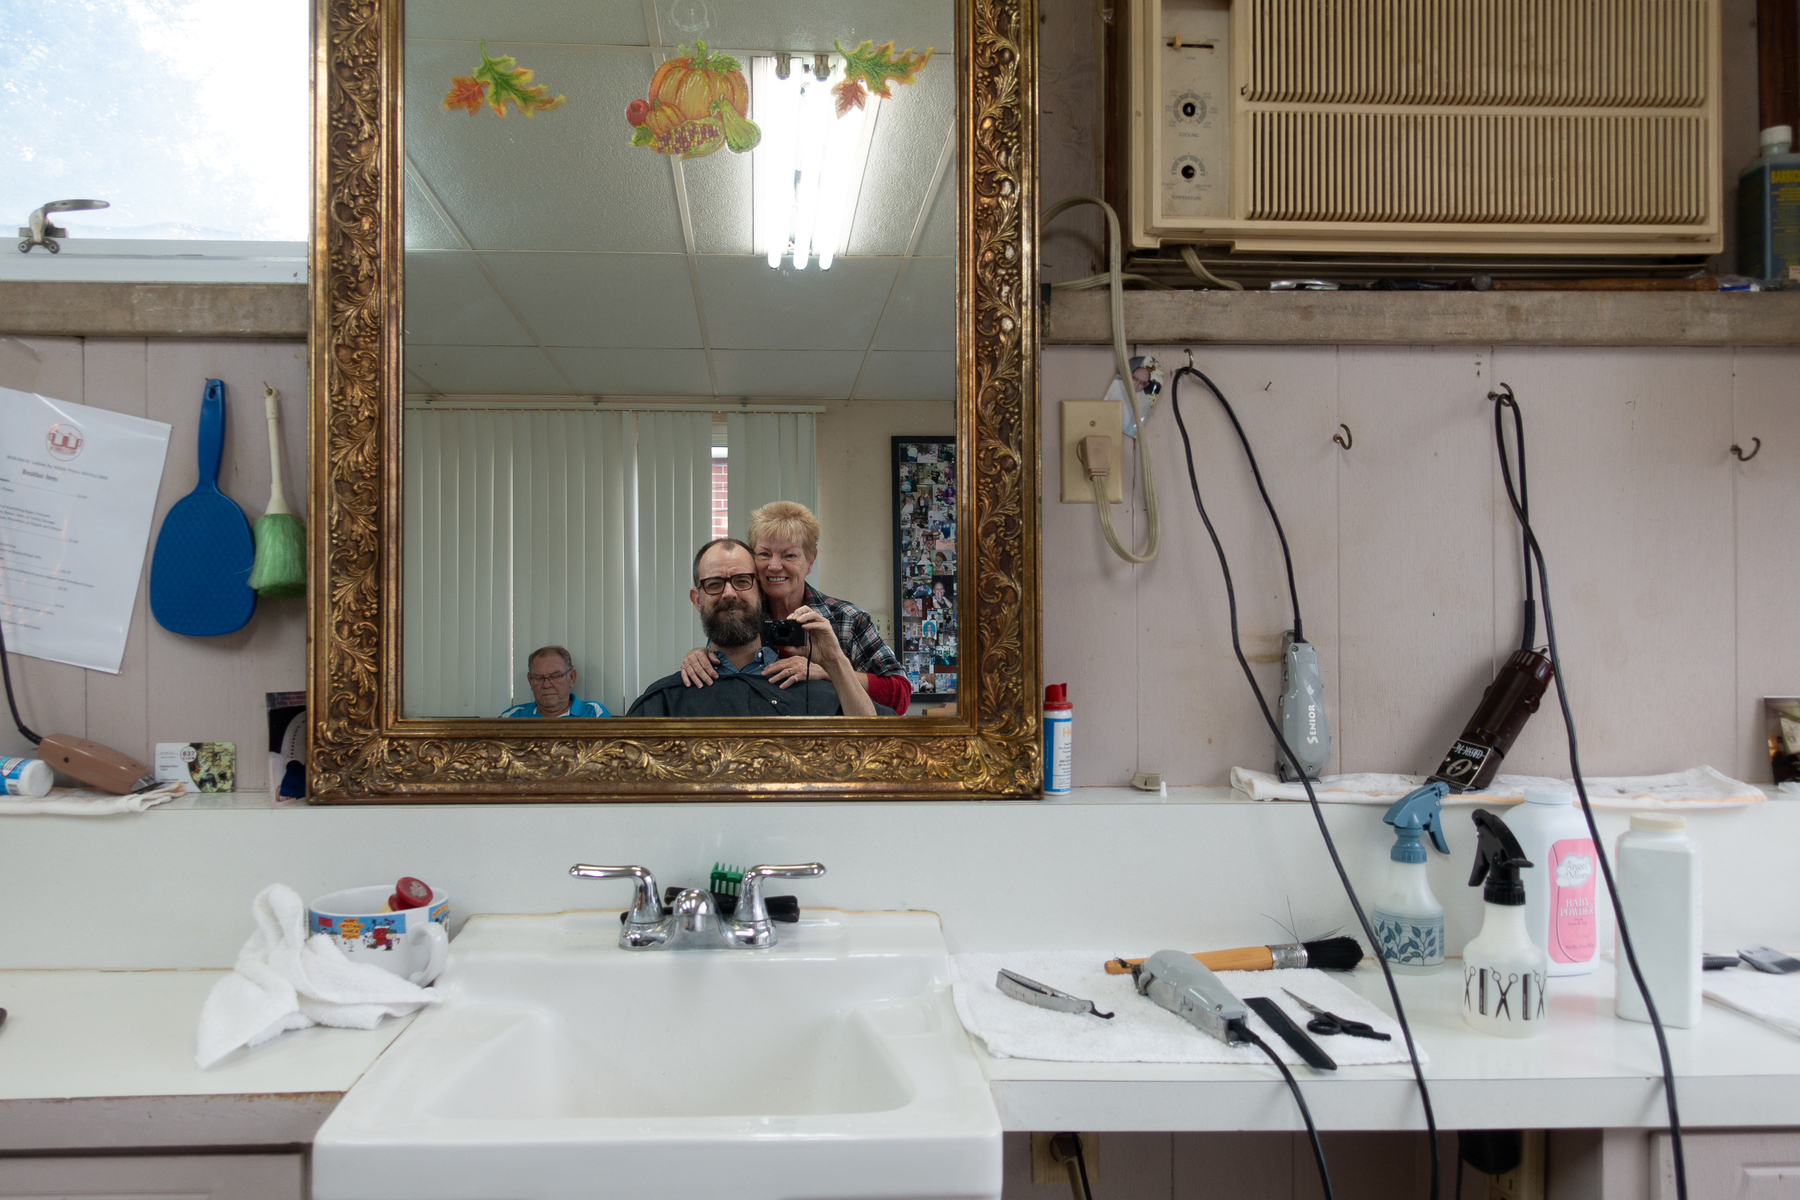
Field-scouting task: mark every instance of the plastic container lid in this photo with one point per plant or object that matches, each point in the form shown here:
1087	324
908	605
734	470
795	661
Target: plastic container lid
1552	796
1777	139
1657	822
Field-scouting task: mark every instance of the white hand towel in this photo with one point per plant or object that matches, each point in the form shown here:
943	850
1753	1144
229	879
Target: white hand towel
283	980
1698	787
1771	999
1141	1030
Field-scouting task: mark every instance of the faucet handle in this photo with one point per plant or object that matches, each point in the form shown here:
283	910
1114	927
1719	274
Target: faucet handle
750	906
646	907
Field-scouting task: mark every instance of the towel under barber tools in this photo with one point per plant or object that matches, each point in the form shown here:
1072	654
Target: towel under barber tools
283	980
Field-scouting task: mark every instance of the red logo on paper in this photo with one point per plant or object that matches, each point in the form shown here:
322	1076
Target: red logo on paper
64	441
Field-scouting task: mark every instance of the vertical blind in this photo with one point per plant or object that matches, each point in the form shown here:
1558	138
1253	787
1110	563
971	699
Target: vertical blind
533	527
770	456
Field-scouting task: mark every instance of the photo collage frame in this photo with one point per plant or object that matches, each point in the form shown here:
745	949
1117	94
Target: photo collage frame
925	564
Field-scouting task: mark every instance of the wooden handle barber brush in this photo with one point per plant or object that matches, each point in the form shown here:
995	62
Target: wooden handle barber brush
1332	954
279	569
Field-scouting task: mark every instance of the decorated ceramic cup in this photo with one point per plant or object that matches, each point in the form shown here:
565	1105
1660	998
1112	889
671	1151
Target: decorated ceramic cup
412	943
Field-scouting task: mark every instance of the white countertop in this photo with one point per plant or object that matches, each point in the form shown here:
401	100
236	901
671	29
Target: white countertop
106	1058
1590	1070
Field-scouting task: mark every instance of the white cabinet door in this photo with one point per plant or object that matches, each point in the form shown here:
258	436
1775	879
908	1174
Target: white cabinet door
1744	1164
164	1177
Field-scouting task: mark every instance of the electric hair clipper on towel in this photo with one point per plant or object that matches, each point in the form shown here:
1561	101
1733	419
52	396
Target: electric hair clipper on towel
1180	984
1303	724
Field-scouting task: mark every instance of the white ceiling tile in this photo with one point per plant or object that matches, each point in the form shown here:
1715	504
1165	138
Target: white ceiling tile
449	303
640	300
908	375
619	24
718	191
921	314
564	180
909	137
425	230
809	24
624	372
787	374
486	370
751	306
940	226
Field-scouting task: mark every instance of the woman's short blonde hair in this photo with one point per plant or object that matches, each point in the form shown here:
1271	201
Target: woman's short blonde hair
784	520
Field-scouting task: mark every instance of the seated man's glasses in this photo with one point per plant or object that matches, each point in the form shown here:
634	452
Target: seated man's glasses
548	678
739	583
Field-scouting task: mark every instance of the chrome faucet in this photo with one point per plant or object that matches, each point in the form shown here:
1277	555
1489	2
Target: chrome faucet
693	921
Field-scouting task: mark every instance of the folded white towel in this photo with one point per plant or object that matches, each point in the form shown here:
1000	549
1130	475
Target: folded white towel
1771	999
284	981
1699	787
86	802
1141	1030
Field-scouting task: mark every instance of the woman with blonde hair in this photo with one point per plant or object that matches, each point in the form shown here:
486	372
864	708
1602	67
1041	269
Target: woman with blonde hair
784	538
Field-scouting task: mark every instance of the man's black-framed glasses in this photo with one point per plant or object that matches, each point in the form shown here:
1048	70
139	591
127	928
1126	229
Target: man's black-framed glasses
716	584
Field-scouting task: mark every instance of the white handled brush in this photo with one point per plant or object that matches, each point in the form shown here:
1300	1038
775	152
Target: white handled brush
280	568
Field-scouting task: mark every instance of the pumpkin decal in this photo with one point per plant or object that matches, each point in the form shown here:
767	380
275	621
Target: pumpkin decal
698	102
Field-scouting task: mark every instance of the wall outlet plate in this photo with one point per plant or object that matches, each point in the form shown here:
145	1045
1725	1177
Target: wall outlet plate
1525	1181
1080	418
1045	1169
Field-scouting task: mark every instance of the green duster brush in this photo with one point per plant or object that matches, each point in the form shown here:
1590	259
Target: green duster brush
280	568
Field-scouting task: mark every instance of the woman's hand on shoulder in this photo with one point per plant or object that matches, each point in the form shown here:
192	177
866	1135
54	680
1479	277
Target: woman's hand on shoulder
697	669
790	671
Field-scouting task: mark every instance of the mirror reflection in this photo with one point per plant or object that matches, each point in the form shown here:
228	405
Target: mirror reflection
679	271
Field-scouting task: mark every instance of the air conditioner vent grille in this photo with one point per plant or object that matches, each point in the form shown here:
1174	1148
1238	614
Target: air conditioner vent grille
1555	53
1467	168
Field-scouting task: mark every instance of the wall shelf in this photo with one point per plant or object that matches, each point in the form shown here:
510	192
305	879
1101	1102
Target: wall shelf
81	308
1431	318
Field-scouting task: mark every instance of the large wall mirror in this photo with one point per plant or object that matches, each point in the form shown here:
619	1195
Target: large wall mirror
595	284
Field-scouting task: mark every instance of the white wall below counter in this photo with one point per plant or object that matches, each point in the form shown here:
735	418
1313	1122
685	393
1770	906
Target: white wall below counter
1112	870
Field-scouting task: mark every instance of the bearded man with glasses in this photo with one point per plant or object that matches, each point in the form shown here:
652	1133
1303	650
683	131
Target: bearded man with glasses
551	673
726	595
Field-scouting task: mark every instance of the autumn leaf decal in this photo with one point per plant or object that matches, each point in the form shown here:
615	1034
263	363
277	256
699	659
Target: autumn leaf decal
870	69
496	81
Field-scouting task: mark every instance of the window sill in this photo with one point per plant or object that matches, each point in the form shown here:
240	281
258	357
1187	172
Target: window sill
1431	318
62	308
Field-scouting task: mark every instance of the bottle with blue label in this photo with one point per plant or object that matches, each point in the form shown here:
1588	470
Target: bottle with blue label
1769	210
1059	740
27	776
1408	919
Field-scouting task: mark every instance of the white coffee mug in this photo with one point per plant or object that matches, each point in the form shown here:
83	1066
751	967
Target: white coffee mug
412	943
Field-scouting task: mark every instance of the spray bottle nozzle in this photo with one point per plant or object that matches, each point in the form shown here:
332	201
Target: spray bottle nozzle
1414	814
1498	857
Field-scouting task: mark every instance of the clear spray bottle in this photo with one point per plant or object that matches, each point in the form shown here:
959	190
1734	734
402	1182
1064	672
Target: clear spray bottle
1408	918
1504	971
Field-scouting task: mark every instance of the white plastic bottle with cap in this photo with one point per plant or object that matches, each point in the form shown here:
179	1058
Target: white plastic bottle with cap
1561	905
27	776
1657	869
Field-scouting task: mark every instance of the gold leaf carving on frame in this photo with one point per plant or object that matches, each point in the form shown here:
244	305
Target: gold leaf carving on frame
361	750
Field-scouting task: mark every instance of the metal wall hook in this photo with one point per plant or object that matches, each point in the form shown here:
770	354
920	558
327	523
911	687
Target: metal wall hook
1343	439
1755	449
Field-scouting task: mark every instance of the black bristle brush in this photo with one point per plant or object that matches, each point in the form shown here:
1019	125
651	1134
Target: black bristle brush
1329	954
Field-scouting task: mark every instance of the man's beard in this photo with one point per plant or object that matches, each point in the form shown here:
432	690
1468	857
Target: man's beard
731	627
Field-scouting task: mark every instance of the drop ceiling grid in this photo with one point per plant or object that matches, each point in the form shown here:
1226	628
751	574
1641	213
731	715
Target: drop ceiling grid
630	315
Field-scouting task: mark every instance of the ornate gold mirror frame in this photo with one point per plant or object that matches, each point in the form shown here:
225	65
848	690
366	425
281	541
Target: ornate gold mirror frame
362	749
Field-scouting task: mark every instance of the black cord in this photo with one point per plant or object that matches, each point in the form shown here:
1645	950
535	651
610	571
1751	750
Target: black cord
1457	1195
1305	1113
1286	558
1312	798
1504	400
1521	504
1087	1189
6	673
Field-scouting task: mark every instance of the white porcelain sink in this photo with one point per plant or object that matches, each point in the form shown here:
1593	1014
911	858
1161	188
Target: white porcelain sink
830	1066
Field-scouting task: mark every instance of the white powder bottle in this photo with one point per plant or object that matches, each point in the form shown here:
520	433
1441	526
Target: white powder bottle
1561	902
1657	869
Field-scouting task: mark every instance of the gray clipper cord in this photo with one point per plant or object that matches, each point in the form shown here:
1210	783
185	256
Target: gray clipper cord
1179	983
1043	995
1303	722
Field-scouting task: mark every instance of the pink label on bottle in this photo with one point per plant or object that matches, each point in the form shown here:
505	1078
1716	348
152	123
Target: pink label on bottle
1574	924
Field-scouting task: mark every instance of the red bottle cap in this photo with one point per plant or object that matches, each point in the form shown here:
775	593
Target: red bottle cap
1056	695
409	893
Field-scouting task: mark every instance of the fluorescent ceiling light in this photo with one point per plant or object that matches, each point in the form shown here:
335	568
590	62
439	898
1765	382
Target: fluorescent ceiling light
808	169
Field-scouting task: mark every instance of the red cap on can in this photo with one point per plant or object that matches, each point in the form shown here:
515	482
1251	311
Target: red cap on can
1056	695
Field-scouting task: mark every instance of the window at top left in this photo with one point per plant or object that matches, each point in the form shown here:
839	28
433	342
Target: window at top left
186	119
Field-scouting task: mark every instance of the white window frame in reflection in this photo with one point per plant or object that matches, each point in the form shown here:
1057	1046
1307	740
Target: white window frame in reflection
807	171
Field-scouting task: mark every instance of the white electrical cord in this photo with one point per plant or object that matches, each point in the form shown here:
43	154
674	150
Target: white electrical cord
1122	363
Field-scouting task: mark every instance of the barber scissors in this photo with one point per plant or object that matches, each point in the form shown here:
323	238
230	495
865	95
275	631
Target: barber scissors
1327	1023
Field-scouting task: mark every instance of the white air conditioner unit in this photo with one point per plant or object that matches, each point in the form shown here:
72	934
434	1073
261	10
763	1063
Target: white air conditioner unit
1584	127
